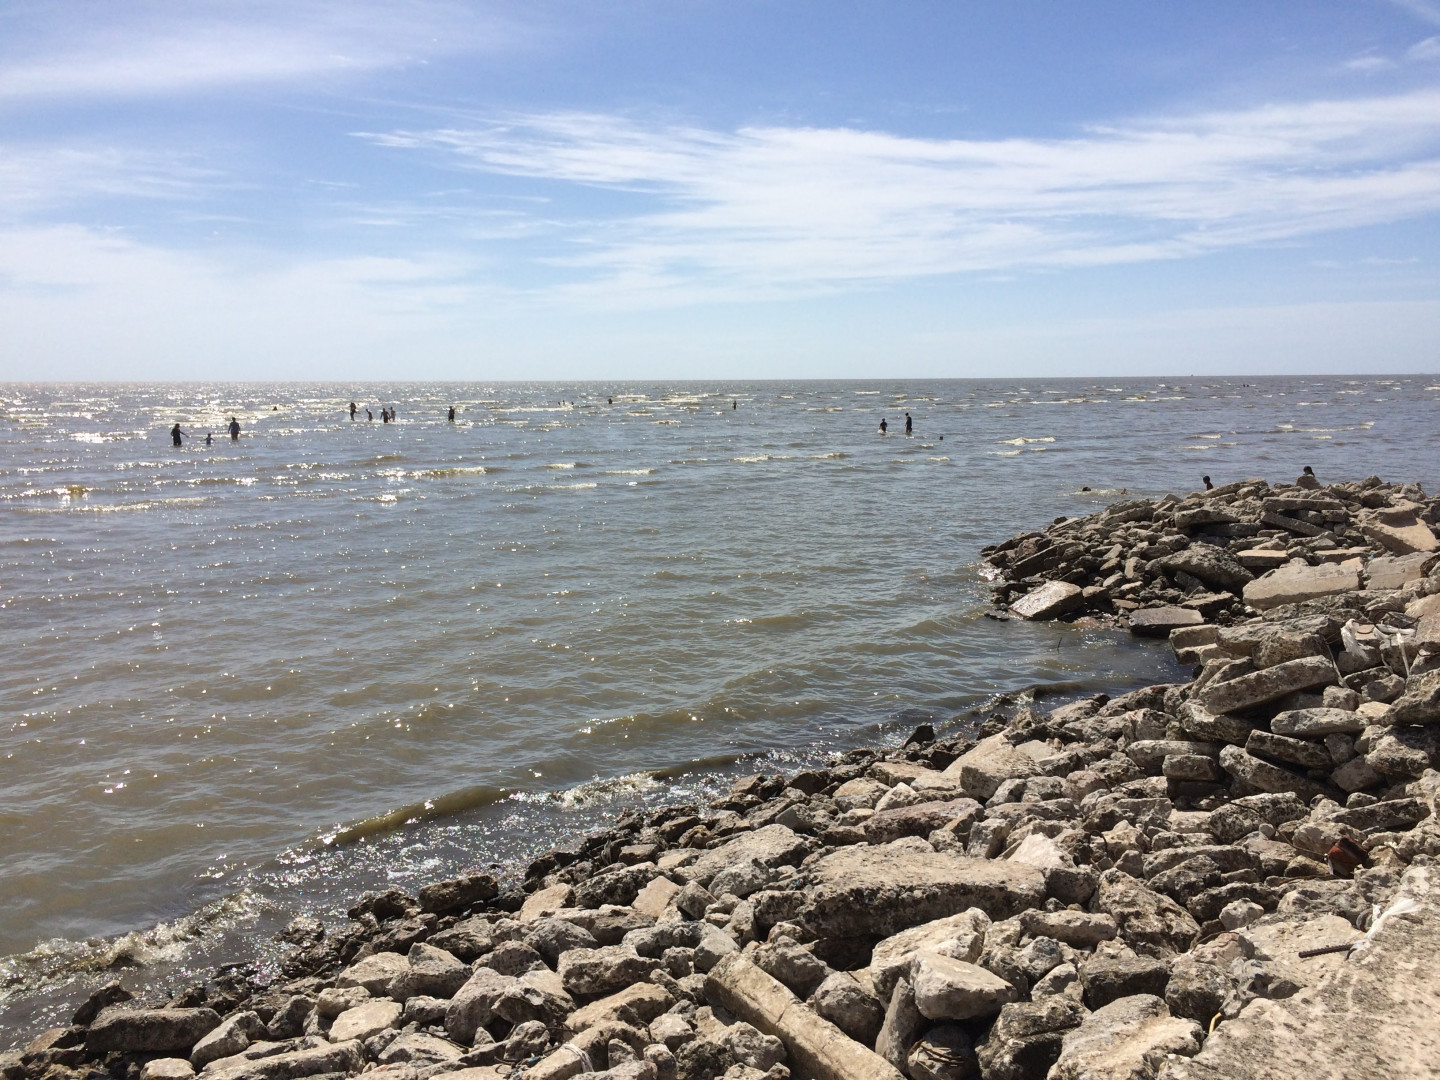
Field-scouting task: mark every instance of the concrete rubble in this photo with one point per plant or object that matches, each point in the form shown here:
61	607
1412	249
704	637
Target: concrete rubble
1127	887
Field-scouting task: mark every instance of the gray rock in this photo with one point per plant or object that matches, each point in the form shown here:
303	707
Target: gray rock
420	1048
774	845
1267	777
879	891
344	1059
1296	584
1244	815
1025	1040
960	936
749	1046
949	989
615	886
988	764
903	1024
1258	687
603	970
444	897
1161	621
431	971
849	1006
232	1035
797	967
551	937
1316	723
150	1031
1125	1040
1048	601
742	879
1076	928
1215	566
1149	922
366	1020
919	819
374	972
1109	978
1288	751
473	1006
693	899
1420	703
290	1019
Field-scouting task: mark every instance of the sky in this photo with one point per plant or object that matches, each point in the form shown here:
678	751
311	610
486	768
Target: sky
717	189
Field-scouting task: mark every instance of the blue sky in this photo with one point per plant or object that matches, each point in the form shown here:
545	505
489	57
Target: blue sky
731	189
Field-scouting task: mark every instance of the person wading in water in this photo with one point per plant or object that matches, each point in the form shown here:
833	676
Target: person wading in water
234	430
175	434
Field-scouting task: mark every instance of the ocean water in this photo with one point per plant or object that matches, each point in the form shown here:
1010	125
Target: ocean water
248	679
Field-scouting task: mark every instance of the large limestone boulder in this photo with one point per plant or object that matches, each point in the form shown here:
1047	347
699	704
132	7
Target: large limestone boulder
1370	1016
1259	687
1213	565
774	845
961	936
867	891
1125	1040
1149	922
950	989
150	1031
1295	584
988	764
1049	601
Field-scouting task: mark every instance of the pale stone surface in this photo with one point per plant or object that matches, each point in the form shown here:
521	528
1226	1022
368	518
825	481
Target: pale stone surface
950	989
880	891
545	902
1372	1016
473	1005
1400	532
961	936
150	1031
345	1058
1049	601
374	972
1125	1040
167	1069
1293	584
774	845
1317	723
1161	621
1265	776
1397	571
1077	928
816	1047
1258	687
655	897
988	764
365	1020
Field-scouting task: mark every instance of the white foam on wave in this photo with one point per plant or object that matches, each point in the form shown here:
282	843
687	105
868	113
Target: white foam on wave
1024	441
629	472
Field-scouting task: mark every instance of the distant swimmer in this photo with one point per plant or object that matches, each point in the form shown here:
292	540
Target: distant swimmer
384	416
883	426
452	414
175	434
369	416
1307	479
609	401
1208	486
909	424
234	430
1086	488
352	412
734	405
208	439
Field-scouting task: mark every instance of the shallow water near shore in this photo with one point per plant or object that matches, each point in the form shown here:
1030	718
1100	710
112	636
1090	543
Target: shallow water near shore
251	679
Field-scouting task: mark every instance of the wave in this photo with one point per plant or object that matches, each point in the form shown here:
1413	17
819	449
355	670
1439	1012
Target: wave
1023	441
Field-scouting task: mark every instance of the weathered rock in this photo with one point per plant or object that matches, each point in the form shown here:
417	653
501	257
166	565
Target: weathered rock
1161	621
879	891
1419	704
374	972
1077	928
949	989
1265	776
233	1035
150	1031
1149	922
1049	601
1213	565
603	970
1317	723
456	894
1400	531
615	886
430	971
1126	1040
960	936
774	845
420	1048
1244	815
344	1058
167	1069
1025	1040
1259	687
550	937
655	897
1397	571
1288	751
1296	584
989	763
545	902
1110	978
473	1005
849	1006
903	1024
815	1046
365	1020
636	1005
921	819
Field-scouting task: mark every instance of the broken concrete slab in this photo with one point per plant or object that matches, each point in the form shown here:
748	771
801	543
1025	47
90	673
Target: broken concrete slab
1160	621
1295	584
1049	601
1259	687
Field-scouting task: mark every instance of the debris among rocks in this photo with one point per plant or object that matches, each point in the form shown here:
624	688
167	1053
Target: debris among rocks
1175	882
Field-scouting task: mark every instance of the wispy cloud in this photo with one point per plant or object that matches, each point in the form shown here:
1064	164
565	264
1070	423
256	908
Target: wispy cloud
1424	10
150	49
777	208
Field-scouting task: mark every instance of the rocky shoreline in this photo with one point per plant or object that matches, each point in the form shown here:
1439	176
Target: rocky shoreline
1226	877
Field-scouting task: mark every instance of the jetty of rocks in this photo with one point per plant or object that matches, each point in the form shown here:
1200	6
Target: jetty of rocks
1228	877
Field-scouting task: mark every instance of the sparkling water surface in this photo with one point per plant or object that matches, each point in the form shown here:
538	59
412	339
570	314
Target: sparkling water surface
250	678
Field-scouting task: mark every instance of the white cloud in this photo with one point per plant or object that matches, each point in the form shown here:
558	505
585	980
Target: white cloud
1369	62
1424	51
1424	10
150	49
761	210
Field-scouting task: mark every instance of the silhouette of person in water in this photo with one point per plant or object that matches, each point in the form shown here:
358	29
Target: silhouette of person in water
175	434
369	416
883	426
1208	486
384	416
234	430
208	439
352	412
1307	479
909	424
734	405
452	414
609	401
